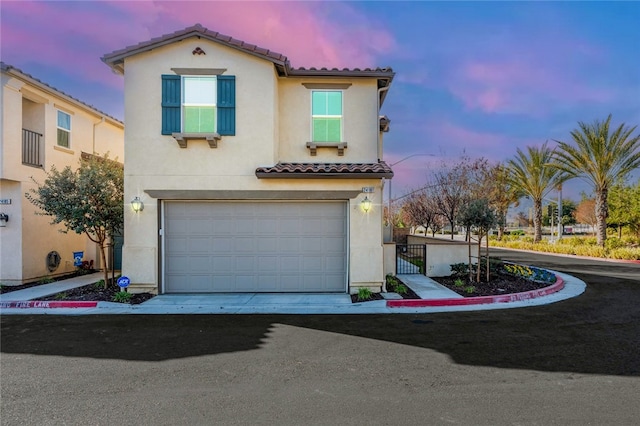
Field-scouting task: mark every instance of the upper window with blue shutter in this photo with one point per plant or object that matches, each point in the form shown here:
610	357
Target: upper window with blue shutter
195	105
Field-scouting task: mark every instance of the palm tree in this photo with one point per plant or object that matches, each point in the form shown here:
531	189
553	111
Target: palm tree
602	159
534	175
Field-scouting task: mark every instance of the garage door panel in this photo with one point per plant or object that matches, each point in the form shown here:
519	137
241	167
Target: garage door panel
223	264
244	245
334	263
176	245
221	245
267	264
255	246
267	244
289	244
289	264
199	264
199	244
313	264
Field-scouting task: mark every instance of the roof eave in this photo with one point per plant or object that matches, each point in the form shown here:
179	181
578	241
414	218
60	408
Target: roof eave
116	59
295	175
17	73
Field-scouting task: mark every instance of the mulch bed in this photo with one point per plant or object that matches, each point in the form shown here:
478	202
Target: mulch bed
97	293
499	284
91	292
410	294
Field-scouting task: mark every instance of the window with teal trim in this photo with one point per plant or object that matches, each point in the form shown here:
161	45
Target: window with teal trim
326	112
199	105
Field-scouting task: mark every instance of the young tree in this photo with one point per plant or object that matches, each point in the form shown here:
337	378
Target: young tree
522	219
479	217
87	201
534	175
624	207
586	212
601	158
421	211
454	185
500	192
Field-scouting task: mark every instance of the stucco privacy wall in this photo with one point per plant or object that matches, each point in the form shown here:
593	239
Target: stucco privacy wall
441	254
28	238
267	131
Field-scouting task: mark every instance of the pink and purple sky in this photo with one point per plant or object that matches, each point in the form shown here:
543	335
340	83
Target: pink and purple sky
480	77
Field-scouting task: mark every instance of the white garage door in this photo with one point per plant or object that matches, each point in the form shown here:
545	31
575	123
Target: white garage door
255	247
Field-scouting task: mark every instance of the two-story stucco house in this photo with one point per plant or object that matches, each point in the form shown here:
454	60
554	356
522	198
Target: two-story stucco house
255	176
41	126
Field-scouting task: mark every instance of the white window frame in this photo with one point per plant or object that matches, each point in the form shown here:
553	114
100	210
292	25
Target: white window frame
63	129
328	116
183	104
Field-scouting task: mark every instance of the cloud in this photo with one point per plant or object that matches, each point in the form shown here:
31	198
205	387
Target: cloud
526	85
309	34
68	38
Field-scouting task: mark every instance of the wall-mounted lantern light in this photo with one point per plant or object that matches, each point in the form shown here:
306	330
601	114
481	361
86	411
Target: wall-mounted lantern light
366	204
4	218
137	205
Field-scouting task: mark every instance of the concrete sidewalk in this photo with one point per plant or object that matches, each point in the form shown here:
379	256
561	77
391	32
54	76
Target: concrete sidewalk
261	303
44	290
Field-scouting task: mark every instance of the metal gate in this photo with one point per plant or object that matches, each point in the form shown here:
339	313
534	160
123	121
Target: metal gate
411	259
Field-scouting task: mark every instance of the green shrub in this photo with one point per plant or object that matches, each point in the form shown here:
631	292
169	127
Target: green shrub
458	283
459	269
364	294
122	297
60	296
46	280
401	289
469	289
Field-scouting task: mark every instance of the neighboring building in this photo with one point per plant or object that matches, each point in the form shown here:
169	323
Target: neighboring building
40	127
255	176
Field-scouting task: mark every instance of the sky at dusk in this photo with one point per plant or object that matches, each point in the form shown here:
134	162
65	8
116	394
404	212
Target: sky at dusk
482	78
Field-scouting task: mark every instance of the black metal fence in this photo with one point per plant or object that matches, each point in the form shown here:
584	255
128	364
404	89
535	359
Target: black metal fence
411	258
31	148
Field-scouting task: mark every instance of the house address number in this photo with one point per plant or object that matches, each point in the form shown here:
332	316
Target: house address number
5	201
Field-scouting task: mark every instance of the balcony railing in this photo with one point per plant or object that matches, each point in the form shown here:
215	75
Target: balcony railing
31	155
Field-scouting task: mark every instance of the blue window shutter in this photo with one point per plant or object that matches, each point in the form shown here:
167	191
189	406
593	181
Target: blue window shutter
227	105
170	104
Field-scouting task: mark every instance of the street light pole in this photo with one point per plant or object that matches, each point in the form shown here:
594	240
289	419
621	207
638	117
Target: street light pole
559	212
390	199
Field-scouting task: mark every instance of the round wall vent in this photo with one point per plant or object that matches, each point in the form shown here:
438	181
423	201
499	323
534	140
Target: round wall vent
53	261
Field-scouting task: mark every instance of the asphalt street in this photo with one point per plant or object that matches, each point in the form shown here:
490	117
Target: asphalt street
572	362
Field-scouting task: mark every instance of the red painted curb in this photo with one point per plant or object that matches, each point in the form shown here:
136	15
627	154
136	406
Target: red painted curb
48	304
479	300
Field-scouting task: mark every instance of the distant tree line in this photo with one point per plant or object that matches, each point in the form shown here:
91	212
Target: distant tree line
465	192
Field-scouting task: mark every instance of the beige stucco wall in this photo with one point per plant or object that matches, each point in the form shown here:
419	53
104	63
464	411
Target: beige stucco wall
359	118
441	254
272	125
28	238
389	258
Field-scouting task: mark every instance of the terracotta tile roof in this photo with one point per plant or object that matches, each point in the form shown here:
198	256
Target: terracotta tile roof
326	171
17	72
116	58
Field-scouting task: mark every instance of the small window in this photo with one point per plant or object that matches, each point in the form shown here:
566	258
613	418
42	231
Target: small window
64	129
326	111
199	105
